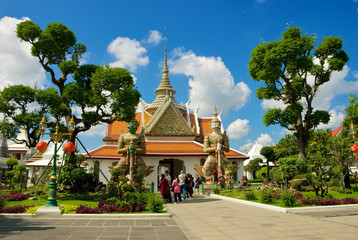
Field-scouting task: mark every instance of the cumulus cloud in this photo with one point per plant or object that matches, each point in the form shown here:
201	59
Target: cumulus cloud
335	121
17	65
209	75
264	140
154	37
97	130
238	129
128	52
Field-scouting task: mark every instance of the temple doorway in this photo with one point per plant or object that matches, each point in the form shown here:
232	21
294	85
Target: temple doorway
174	166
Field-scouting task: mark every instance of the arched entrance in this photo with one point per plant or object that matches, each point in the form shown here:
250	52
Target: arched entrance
174	166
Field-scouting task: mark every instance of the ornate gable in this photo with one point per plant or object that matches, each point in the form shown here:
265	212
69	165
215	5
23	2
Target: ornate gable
168	120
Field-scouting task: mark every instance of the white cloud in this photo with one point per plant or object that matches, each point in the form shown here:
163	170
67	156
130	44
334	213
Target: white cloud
154	37
238	129
264	140
17	65
209	77
129	53
246	148
97	130
335	121
269	103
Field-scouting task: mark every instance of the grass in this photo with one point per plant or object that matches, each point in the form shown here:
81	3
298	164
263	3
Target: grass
279	202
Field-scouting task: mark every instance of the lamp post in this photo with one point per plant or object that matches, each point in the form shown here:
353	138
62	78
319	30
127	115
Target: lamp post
52	197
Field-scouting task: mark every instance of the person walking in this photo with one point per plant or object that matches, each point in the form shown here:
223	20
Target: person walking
189	185
169	179
197	181
182	183
176	190
164	188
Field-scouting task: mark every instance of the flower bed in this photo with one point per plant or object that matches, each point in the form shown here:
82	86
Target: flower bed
110	208
15	196
16	209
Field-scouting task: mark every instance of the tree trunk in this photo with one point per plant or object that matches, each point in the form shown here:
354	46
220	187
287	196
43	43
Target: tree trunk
347	180
301	140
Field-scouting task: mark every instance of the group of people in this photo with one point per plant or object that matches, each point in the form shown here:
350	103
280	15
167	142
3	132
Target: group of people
182	185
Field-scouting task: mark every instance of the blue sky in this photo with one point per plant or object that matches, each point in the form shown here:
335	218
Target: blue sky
209	47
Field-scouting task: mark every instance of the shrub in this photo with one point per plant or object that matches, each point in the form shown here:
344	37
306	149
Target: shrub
155	203
15	196
276	194
289	199
298	195
250	195
32	210
266	196
216	190
11	162
68	209
2	202
85	209
15	209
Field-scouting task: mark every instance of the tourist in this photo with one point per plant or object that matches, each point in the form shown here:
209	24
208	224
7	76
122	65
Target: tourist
164	188
197	183
189	185
169	179
176	190
182	183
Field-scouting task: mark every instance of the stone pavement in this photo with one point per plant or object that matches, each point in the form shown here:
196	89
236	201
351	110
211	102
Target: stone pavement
28	228
202	217
209	218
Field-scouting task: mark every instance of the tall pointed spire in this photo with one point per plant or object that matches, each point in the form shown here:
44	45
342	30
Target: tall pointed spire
165	86
164	89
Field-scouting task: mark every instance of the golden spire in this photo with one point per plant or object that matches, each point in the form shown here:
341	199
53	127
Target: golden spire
215	114
165	87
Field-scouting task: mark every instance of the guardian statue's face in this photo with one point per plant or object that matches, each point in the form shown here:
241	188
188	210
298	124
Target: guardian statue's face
132	127
216	127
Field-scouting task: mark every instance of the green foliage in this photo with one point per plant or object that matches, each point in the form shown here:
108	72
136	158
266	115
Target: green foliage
16	101
262	173
94	89
32	210
250	195
288	199
320	162
283	66
253	166
68	209
155	203
286	147
216	190
266	196
11	162
78	179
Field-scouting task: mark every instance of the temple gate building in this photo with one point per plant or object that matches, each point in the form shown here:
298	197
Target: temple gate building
174	137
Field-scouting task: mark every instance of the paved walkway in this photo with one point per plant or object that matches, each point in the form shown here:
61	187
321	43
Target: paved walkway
199	218
30	228
208	218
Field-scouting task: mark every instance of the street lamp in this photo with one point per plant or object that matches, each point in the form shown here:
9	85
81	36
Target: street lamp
52	197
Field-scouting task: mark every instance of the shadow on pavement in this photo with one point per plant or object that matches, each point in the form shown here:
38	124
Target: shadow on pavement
12	225
199	199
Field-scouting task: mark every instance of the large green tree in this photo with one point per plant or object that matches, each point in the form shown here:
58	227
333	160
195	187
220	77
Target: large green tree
23	108
292	69
102	94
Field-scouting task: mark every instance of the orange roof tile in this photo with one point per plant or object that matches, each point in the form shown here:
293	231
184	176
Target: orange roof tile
115	129
336	131
204	124
164	148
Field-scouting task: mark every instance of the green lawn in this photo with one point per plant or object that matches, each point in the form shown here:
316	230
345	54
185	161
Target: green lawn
279	202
